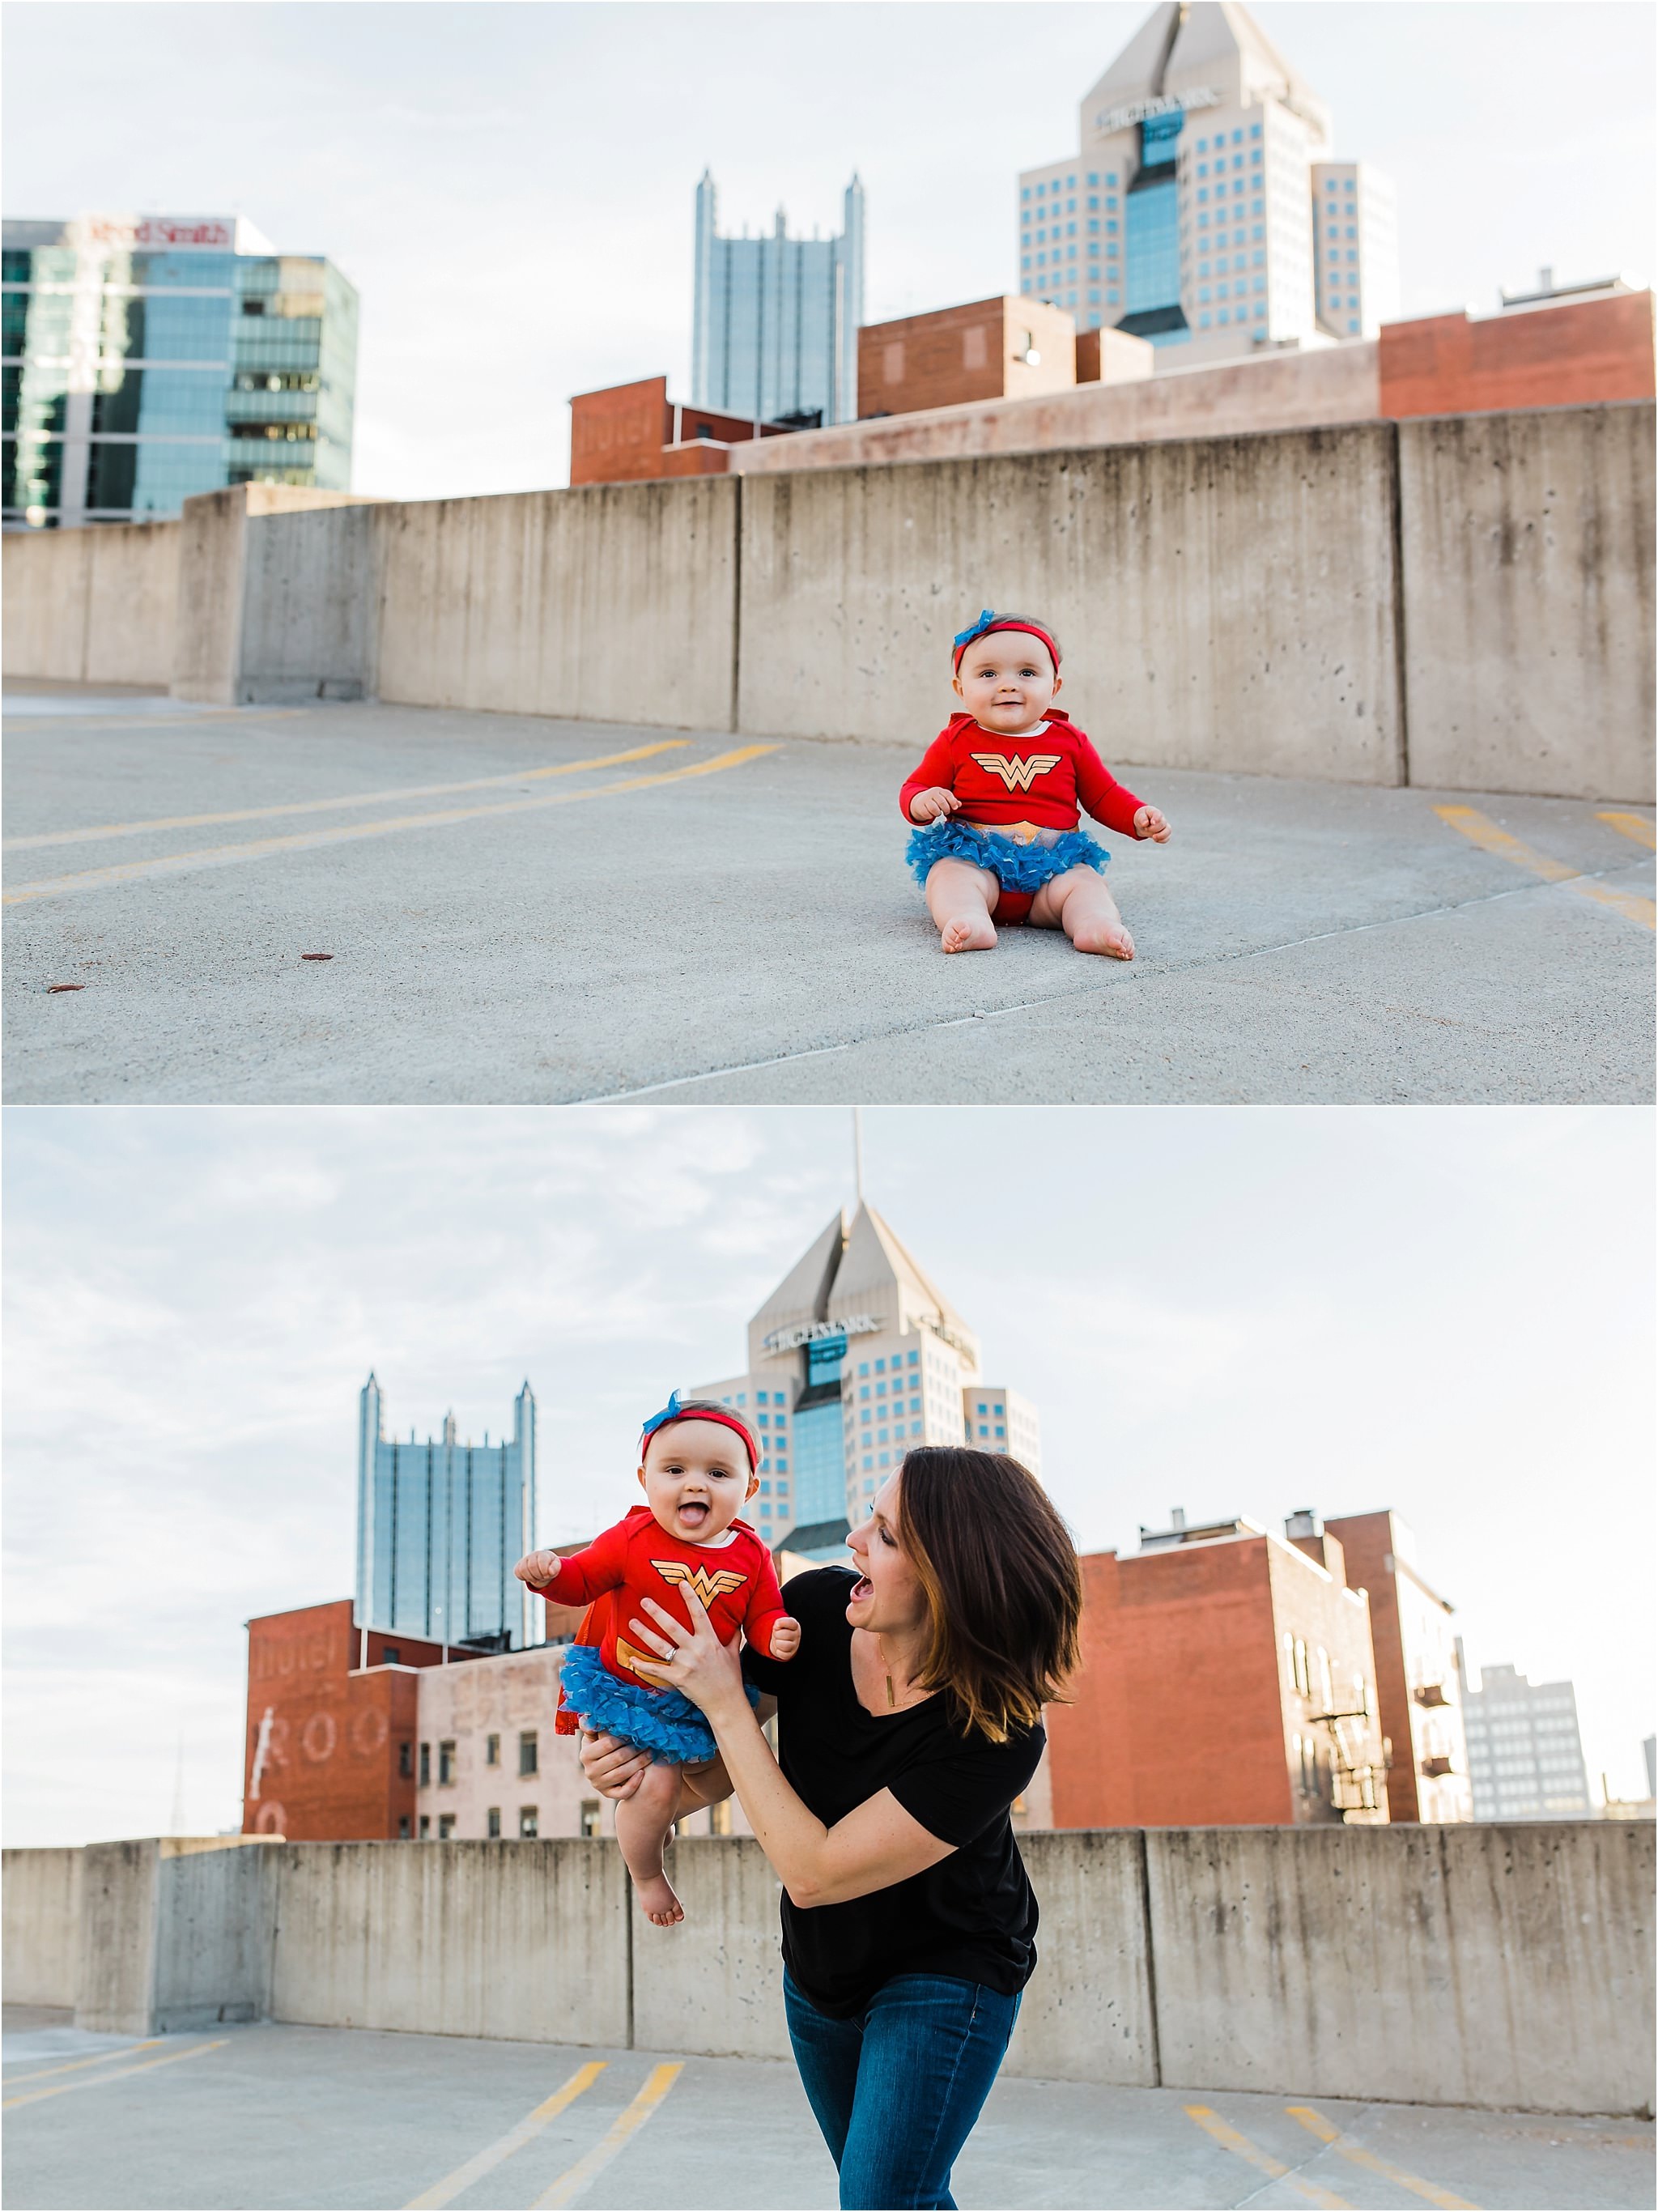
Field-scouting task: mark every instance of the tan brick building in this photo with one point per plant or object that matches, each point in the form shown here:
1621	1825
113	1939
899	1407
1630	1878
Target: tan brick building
999	348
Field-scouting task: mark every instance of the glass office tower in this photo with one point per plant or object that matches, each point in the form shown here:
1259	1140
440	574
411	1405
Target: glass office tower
440	1525
775	328
149	358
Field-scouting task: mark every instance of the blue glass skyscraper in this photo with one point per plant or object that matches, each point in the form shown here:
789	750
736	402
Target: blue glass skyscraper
440	1525
775	330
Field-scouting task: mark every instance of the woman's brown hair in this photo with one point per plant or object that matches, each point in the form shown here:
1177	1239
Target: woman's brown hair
1002	1583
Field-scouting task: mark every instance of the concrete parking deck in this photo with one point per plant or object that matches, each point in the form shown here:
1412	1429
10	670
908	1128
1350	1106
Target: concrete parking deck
367	903
275	2116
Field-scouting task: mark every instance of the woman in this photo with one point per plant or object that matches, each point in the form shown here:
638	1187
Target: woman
909	1723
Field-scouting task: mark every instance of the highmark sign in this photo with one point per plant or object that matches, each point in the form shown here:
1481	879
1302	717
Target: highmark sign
787	1339
1141	111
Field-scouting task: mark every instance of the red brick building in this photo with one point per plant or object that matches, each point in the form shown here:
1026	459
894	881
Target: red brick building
331	1752
630	433
999	348
1228	1680
1419	1687
1551	353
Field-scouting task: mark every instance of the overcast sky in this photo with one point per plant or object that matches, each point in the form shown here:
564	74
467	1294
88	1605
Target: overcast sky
511	187
1445	1312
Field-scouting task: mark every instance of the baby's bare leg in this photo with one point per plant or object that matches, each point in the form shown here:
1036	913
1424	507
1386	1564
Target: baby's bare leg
1078	903
961	899
643	1824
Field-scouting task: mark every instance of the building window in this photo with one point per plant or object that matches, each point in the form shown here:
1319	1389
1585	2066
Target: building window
389	1655
402	1828
528	1823
405	1759
425	1828
425	1765
492	1821
590	1817
492	1751
447	1763
529	1757
445	1826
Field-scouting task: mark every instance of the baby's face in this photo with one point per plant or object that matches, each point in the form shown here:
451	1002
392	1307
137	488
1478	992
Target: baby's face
1007	680
696	1479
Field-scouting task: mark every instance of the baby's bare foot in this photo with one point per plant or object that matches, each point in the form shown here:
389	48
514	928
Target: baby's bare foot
657	1902
1107	937
968	933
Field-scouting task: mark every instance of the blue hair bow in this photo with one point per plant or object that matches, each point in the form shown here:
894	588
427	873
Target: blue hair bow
670	1412
966	636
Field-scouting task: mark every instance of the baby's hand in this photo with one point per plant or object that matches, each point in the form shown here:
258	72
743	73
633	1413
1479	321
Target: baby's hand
785	1638
928	805
1149	822
537	1568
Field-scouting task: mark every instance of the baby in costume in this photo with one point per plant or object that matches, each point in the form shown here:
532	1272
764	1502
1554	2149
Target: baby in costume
998	793
698	1465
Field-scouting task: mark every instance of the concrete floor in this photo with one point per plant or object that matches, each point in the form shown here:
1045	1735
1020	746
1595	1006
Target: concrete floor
747	931
324	2118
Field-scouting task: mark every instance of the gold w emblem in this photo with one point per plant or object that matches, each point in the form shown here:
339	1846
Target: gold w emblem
706	1586
1019	773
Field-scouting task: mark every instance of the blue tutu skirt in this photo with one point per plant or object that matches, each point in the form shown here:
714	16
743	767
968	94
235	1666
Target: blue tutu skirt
1016	867
665	1723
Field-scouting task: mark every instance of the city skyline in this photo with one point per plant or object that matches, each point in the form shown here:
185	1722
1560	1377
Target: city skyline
1527	144
1383	1321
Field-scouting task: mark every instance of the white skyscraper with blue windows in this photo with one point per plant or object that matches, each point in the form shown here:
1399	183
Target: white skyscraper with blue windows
854	1359
1202	210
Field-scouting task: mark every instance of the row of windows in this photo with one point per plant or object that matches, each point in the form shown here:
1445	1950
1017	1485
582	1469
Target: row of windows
1070	184
529	1823
1219	139
1237	163
529	1751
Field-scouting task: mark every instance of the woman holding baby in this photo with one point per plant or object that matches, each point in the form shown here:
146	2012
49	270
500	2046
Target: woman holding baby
909	1719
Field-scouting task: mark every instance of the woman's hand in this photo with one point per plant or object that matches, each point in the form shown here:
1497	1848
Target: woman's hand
613	1768
690	1660
927	805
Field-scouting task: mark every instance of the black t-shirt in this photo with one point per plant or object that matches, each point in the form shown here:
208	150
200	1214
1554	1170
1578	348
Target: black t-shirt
973	1915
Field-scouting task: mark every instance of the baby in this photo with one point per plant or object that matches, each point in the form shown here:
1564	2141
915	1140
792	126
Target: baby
686	1536
997	791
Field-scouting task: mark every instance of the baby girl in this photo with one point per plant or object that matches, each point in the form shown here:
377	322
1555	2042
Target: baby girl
686	1536
997	792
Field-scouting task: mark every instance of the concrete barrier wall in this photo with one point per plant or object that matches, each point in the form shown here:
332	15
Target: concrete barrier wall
528	1941
40	1910
1528	634
96	606
1227	604
1463	603
613	604
1503	1968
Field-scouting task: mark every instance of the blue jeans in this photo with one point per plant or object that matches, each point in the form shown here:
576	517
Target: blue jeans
896	2090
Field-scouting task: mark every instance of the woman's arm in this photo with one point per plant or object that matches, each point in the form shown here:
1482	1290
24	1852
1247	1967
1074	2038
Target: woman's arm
877	1844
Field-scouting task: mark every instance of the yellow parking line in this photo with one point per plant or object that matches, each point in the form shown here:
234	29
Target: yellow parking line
1633	826
121	2073
104	2058
1317	2125
1481	830
221	856
570	2183
327	805
445	2191
1263	2161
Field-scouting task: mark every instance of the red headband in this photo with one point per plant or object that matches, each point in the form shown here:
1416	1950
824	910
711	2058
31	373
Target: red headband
698	1413
1033	629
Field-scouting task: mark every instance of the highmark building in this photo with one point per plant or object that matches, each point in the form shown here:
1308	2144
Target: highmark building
440	1525
854	1359
147	358
774	321
1203	208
